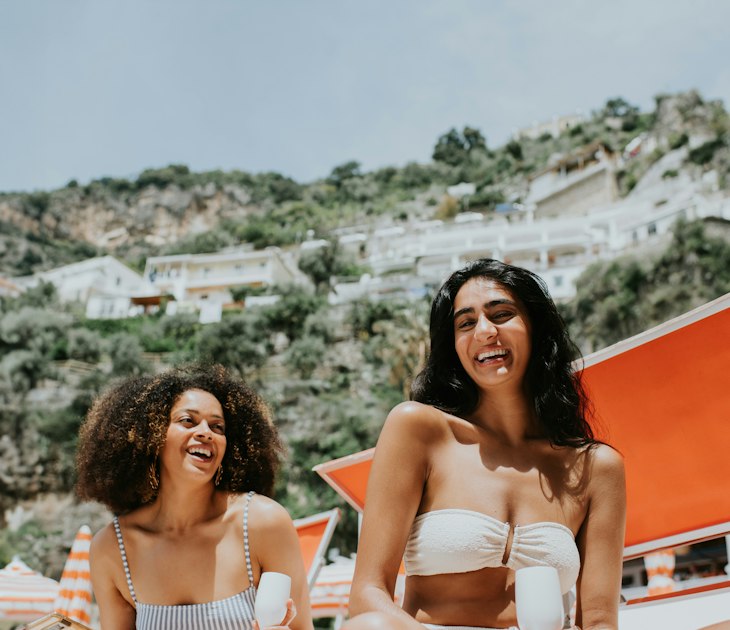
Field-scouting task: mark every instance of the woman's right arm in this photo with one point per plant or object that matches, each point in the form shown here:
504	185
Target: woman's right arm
115	612
395	487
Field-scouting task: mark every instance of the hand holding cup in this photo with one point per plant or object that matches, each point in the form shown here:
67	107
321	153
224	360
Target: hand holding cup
272	606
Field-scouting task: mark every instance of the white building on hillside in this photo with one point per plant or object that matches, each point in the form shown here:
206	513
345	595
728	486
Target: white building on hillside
103	285
409	261
204	281
574	184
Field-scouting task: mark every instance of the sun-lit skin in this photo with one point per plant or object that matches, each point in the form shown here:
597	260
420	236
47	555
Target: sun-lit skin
197	427
491	334
481	439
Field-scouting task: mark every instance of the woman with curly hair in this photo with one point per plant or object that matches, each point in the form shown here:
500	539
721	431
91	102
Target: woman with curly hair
491	467
186	461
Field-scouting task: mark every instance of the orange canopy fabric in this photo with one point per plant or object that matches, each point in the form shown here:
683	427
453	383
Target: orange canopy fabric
662	398
348	476
315	533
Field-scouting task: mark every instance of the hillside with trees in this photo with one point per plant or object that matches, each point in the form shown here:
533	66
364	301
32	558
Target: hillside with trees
329	373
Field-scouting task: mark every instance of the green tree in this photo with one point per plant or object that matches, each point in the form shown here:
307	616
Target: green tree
366	313
455	148
623	297
450	148
340	174
42	295
306	354
328	261
238	342
514	148
84	345
125	352
619	108
289	313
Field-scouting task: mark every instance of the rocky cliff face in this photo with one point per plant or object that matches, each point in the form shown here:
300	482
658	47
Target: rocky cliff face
101	218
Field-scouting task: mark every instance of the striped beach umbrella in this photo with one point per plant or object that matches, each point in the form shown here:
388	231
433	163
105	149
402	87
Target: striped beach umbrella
330	595
74	595
25	594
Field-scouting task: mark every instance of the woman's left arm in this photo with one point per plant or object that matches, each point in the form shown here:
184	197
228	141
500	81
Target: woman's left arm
275	545
601	541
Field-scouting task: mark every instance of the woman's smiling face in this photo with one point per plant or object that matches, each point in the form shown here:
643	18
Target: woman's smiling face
196	436
491	333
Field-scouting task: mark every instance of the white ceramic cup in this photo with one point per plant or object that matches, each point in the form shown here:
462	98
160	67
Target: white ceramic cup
272	594
538	599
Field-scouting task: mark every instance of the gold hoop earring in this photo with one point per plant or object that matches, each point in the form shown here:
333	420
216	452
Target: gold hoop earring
218	475
152	476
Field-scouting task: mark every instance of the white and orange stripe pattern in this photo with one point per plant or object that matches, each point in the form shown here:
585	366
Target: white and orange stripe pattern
25	594
74	595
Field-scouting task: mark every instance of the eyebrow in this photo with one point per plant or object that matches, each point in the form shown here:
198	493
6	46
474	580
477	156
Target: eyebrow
493	303
195	411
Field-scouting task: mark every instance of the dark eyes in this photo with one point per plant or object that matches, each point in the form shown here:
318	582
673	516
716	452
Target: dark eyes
498	317
217	428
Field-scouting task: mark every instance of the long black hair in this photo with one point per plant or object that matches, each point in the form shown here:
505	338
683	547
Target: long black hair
560	402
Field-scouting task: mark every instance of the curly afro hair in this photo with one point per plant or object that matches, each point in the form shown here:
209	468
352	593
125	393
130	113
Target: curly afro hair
126	427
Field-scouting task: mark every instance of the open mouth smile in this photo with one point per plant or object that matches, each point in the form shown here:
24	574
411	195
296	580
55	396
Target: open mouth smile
201	453
489	356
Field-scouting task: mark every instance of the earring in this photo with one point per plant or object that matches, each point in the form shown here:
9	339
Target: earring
152	476
218	475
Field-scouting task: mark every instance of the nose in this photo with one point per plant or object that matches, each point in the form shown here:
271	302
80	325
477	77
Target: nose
484	328
203	431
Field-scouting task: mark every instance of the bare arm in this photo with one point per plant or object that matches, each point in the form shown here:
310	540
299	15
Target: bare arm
395	488
275	545
601	542
115	612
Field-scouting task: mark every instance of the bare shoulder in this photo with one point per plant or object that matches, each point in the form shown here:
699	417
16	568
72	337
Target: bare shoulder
104	541
606	460
104	554
417	420
606	468
265	514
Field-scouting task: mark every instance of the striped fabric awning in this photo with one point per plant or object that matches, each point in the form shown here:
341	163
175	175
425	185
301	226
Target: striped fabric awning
25	594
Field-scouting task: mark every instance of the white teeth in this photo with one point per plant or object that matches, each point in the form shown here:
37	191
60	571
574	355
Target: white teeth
200	451
492	353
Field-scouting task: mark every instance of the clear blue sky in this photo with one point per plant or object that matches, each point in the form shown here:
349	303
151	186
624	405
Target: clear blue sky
90	88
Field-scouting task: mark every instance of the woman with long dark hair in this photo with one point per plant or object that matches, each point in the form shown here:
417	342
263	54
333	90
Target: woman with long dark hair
491	467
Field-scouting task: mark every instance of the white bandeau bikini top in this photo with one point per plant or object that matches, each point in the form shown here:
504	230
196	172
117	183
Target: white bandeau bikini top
458	541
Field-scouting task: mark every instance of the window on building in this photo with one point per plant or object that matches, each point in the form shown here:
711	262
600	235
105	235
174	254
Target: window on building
651	228
558	281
